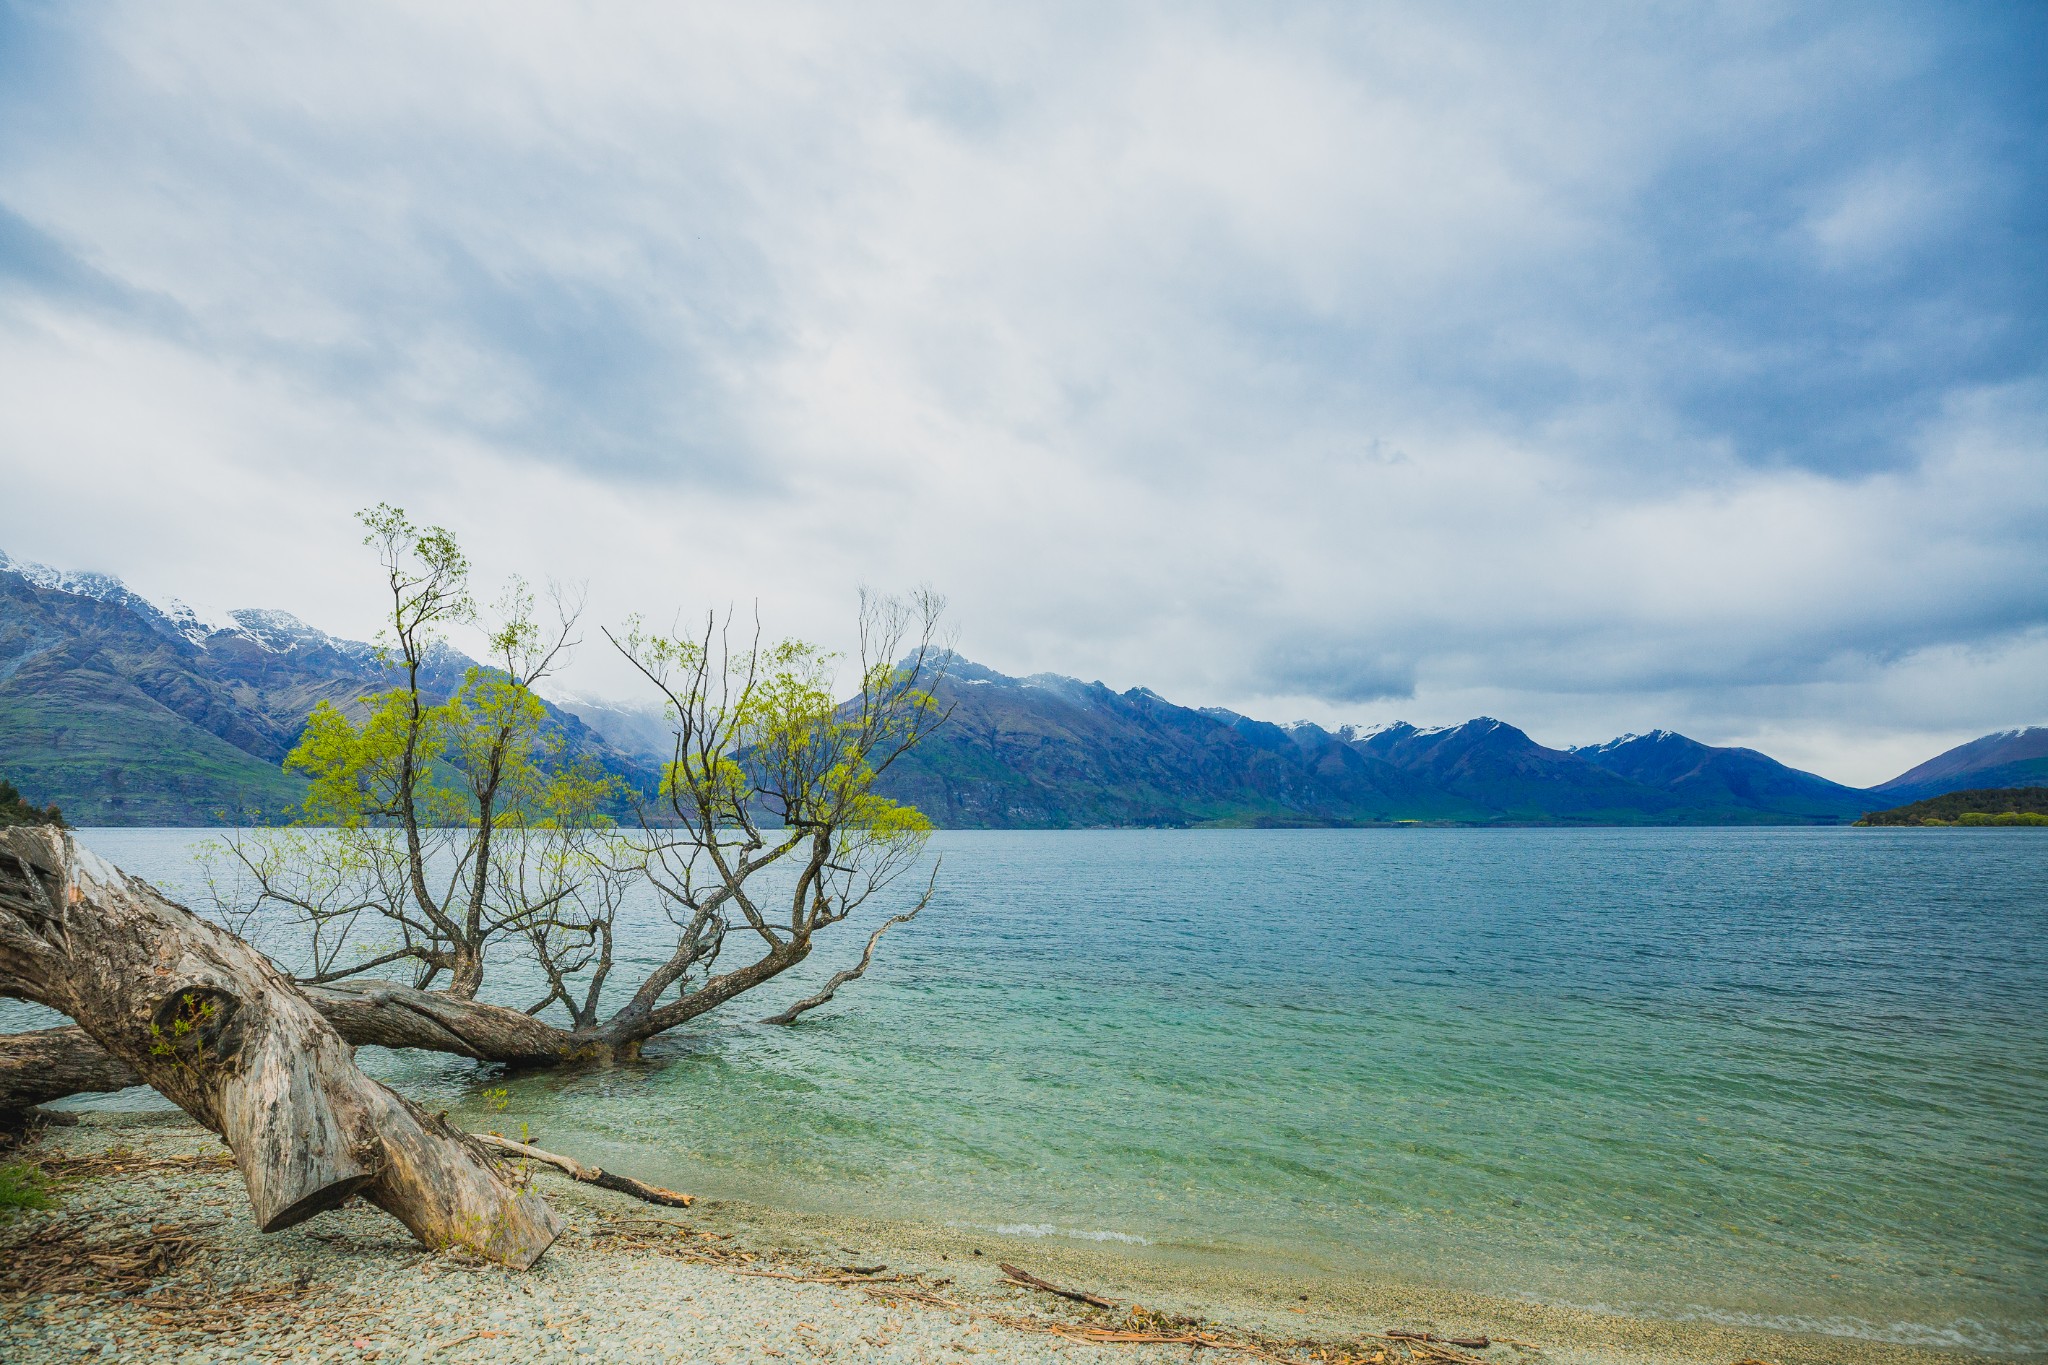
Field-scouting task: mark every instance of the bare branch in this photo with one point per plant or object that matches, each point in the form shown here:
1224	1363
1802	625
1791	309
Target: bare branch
859	969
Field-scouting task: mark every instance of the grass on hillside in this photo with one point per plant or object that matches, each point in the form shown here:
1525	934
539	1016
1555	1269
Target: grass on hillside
1985	806
124	760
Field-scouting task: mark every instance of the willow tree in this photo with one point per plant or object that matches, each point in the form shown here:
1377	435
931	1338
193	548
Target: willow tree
411	799
441	831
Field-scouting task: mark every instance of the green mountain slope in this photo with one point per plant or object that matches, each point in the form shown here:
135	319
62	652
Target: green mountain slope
1995	805
109	754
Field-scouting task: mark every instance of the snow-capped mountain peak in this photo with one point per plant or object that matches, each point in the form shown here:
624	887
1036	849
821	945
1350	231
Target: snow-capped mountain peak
271	631
101	587
276	631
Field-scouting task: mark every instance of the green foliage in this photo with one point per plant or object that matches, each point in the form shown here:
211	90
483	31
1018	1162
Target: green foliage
450	826
185	1041
769	736
489	738
481	755
15	810
428	577
22	1187
1986	806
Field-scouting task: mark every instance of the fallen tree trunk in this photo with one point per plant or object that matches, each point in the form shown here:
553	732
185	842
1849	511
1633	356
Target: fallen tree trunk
206	1020
46	1065
386	1014
49	1064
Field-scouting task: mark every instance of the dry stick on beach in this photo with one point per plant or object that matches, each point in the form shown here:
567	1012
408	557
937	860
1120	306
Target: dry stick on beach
1470	1343
1144	1329
1031	1281
589	1175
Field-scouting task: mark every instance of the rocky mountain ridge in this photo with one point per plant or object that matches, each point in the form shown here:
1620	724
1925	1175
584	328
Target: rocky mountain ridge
1050	751
123	712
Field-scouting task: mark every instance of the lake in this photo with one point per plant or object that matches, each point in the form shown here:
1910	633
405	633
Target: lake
1778	1077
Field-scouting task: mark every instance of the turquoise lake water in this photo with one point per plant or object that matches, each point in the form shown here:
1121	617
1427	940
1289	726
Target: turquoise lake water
1788	1077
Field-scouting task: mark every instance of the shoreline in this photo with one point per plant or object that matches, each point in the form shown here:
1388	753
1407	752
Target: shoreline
623	1283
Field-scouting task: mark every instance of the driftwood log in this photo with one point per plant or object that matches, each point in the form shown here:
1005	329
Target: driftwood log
198	1014
589	1175
49	1064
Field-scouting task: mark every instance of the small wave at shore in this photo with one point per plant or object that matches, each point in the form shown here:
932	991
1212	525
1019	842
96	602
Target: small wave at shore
1963	1334
1049	1230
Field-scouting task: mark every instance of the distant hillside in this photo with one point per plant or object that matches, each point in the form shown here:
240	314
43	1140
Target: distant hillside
1049	752
2010	758
1735	786
1498	768
124	713
1996	806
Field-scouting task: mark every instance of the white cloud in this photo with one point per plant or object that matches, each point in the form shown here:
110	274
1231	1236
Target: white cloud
1216	353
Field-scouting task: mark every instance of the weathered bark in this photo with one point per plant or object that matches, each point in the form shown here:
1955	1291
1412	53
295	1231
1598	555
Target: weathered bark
38	1067
207	1021
387	1014
51	1063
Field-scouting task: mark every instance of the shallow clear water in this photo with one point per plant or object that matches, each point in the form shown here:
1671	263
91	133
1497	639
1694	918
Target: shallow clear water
1776	1076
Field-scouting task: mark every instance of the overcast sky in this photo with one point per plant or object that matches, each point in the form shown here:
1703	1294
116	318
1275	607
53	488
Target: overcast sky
1598	368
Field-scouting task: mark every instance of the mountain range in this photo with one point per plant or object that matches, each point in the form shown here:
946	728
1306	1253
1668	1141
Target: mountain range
123	712
1053	752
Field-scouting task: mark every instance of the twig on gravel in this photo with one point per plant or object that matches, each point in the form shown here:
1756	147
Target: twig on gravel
818	1279
453	1342
1031	1281
251	1309
52	1256
628	1234
895	1293
120	1160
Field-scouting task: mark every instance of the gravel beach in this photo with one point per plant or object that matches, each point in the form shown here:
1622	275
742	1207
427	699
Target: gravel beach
148	1255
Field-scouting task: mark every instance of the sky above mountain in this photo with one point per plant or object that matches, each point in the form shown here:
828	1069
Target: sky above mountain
1602	368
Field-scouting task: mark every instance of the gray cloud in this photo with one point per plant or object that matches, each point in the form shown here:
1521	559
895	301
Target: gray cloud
1335	671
